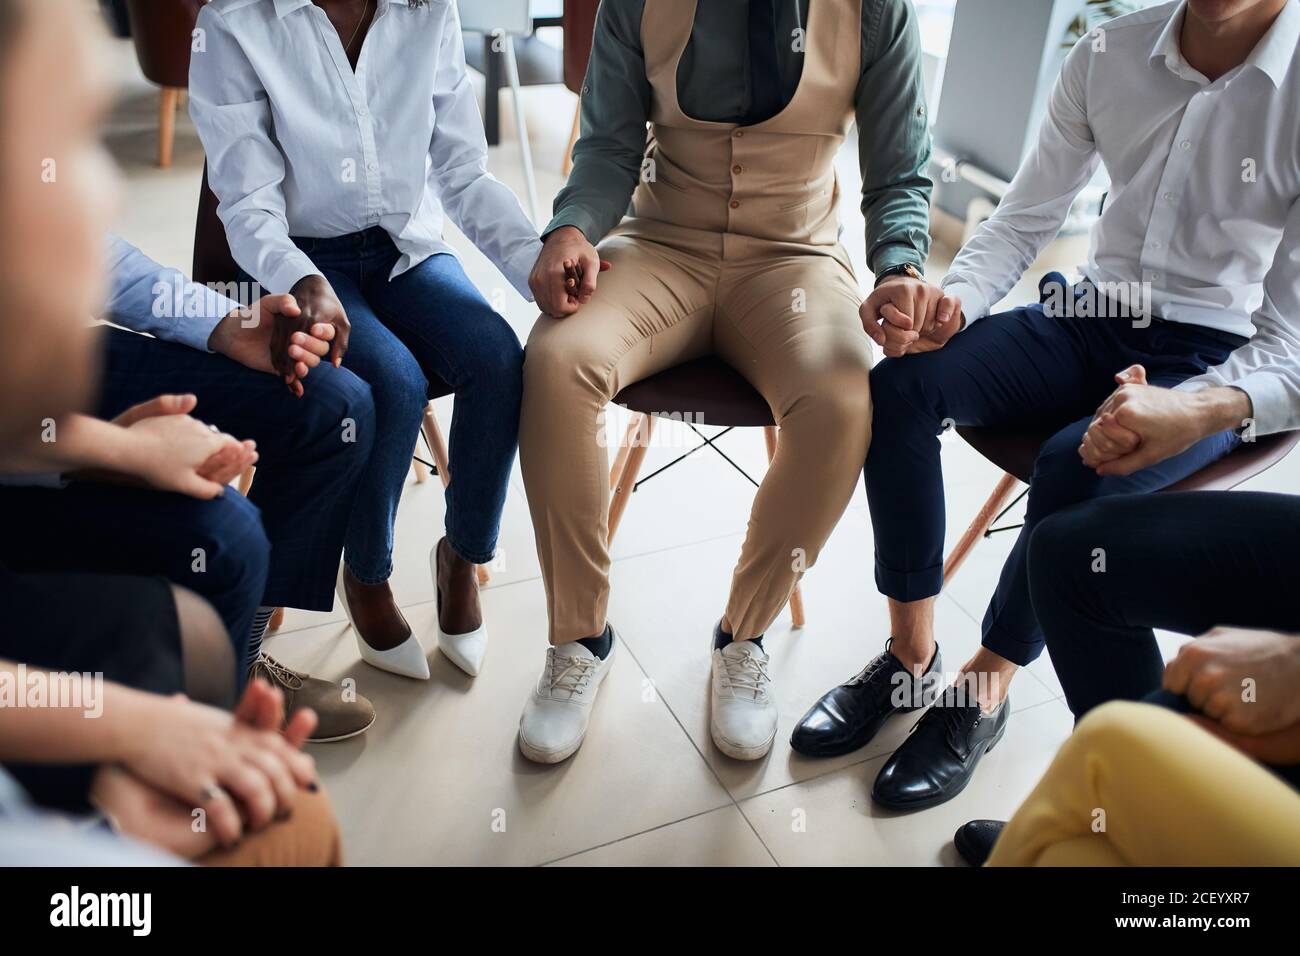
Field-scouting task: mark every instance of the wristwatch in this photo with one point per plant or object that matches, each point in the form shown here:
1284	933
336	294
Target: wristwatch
906	269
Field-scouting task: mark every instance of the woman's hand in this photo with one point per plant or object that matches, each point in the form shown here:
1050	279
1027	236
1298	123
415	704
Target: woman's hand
240	774
318	305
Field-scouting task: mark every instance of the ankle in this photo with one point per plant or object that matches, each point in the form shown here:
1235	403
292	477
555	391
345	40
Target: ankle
914	653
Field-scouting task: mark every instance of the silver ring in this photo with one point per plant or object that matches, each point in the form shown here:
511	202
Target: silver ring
214	428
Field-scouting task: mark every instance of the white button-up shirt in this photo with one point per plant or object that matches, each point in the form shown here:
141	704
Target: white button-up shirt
298	144
1204	205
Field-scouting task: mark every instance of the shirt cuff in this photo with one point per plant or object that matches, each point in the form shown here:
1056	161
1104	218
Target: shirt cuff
293	267
519	267
973	305
895	254
577	217
196	331
1270	403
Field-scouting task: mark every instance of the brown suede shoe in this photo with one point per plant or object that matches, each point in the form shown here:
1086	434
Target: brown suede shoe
338	716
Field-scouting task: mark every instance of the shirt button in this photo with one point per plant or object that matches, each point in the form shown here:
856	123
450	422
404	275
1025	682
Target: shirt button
362	112
738	169
1186	144
1156	244
372	166
735	204
1170	197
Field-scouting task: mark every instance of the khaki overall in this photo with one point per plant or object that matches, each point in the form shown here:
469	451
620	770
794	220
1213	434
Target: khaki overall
732	250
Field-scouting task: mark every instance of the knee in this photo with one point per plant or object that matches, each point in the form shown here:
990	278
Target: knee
209	656
1060	477
1061	559
337	403
839	403
400	392
1120	725
498	357
230	545
897	386
561	361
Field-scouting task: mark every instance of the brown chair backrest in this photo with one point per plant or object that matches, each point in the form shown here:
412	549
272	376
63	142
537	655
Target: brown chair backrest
579	26
163	32
212	259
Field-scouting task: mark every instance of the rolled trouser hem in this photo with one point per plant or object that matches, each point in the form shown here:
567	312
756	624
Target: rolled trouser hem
909	586
1015	649
470	554
368	578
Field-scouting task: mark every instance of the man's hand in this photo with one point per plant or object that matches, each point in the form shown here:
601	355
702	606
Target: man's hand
318	305
270	337
1140	424
1246	681
905	315
564	277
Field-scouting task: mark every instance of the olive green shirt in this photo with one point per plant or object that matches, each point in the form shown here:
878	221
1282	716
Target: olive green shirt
713	82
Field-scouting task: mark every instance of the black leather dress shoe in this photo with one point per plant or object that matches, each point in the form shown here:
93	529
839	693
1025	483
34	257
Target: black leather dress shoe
936	761
974	841
848	716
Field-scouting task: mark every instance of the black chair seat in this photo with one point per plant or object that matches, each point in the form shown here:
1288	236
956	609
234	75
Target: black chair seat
1015	449
707	390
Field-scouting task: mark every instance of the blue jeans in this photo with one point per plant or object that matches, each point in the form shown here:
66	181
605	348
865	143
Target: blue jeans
429	322
1018	368
278	547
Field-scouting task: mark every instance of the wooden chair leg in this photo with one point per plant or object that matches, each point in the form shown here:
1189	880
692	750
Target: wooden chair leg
169	99
421	473
631	468
567	166
246	479
277	619
438	447
621	458
1002	492
796	596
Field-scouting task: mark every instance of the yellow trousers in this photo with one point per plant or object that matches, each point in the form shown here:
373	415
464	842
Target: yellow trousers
1139	785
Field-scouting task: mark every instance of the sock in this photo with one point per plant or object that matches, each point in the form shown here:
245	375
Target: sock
721	639
260	621
601	644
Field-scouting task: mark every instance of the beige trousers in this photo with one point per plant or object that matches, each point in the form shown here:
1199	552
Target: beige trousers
785	316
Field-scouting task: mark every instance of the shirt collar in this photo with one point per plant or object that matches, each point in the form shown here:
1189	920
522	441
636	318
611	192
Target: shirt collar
285	7
1271	56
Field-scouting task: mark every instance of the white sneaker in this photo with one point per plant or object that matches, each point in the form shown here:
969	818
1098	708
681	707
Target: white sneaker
555	718
406	659
742	713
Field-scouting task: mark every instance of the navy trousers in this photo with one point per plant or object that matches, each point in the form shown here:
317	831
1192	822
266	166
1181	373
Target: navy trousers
279	547
1018	368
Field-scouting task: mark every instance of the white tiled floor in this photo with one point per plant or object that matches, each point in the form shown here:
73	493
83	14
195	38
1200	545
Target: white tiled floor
438	779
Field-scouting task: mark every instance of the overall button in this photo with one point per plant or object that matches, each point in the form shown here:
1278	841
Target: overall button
738	169
738	133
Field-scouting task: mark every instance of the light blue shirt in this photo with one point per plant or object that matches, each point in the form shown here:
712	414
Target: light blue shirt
300	144
162	302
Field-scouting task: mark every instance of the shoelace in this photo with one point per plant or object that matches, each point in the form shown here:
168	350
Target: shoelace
277	672
875	667
746	672
574	676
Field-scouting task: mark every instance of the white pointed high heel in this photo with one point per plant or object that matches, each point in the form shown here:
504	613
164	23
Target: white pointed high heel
467	650
406	659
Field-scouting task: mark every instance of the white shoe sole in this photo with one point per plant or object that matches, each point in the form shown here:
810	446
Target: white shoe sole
737	752
559	756
468	650
331	740
405	660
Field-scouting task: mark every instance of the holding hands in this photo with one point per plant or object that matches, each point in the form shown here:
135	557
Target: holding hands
564	277
277	336
1141	424
904	315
